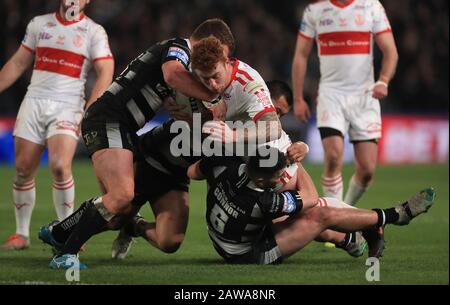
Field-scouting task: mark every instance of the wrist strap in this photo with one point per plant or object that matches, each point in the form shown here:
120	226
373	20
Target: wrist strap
380	82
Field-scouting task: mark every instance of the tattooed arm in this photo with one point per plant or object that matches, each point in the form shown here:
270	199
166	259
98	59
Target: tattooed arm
266	128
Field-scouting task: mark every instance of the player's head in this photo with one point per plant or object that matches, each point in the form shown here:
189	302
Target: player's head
79	5
217	28
210	64
266	167
281	95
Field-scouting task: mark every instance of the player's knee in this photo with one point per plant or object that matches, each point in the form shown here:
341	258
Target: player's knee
121	200
366	175
333	160
24	173
320	215
171	244
60	170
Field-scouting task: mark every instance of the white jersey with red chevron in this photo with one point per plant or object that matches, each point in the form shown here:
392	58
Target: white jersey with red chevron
344	35
248	98
64	53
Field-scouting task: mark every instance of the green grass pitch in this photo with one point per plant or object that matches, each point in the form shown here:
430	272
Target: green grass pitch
415	254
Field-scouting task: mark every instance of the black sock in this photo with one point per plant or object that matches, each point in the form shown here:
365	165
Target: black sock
90	223
62	230
391	215
349	237
386	216
132	227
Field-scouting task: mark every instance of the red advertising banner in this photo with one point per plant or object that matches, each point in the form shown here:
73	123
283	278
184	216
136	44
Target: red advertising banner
414	139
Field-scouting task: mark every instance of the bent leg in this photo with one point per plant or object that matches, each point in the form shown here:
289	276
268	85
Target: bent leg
171	219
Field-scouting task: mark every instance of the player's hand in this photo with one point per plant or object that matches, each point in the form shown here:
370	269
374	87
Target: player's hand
380	91
176	111
297	151
219	111
301	110
219	131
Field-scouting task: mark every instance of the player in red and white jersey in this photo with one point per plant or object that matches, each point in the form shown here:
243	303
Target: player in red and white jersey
348	99
246	99
64	46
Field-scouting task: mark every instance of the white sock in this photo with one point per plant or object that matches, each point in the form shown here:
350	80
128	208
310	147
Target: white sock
64	197
354	192
332	186
24	197
333	203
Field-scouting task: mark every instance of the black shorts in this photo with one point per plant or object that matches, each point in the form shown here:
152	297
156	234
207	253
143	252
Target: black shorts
105	126
264	251
150	184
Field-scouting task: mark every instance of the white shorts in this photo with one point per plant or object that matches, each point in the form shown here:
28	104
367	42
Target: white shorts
359	115
40	119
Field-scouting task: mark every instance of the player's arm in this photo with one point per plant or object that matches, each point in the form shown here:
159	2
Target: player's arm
194	172
15	67
306	187
267	128
180	79
302	50
104	69
280	204
386	43
297	151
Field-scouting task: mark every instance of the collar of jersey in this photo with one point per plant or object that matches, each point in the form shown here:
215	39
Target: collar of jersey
341	5
235	69
68	22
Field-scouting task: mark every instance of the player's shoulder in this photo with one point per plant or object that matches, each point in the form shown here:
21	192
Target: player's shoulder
46	19
318	6
367	4
246	78
91	26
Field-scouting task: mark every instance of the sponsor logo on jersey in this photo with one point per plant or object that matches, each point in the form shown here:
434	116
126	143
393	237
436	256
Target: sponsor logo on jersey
44	36
50	24
59	61
326	22
359	19
341	43
60	40
179	54
359	7
81	29
78	41
326	10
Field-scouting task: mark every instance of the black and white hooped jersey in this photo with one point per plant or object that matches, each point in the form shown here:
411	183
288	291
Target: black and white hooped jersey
141	87
235	211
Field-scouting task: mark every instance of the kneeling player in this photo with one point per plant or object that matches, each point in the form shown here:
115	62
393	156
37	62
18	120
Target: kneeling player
241	205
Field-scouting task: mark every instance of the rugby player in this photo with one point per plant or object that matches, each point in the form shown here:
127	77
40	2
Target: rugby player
241	205
64	46
110	125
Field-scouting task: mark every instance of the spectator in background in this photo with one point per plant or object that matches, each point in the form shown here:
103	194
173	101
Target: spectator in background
64	46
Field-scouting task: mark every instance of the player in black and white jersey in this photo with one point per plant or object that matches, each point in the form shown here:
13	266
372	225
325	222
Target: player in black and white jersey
110	124
241	207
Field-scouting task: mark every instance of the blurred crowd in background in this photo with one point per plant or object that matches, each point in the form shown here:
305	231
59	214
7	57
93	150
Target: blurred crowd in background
265	32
